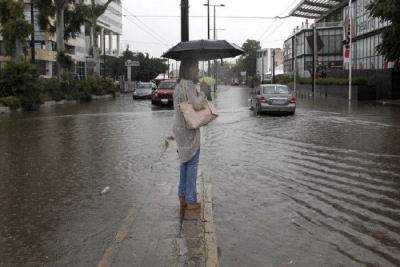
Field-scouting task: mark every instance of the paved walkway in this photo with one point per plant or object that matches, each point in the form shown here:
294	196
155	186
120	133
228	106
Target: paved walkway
157	232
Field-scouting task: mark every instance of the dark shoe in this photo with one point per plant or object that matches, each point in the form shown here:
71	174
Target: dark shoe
182	201
192	206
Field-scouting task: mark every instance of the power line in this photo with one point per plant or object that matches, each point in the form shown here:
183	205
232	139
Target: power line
269	27
219	17
131	41
166	42
163	43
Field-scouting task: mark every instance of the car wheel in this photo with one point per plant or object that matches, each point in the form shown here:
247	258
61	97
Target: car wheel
291	113
257	110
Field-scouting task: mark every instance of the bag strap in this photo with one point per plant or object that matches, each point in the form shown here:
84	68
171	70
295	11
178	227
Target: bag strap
185	85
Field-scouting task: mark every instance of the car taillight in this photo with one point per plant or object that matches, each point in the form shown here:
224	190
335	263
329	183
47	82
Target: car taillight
293	100
263	100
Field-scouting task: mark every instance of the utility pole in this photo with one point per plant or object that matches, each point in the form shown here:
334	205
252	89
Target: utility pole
314	75
33	35
184	20
104	58
273	66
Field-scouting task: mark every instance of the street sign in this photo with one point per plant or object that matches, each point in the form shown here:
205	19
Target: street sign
130	63
243	73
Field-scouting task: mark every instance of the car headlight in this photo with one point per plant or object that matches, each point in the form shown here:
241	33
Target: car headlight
134	92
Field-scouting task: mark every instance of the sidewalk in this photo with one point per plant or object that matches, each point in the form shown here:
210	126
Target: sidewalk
157	233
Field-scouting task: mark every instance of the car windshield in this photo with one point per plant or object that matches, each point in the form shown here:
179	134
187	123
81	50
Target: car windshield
170	85
276	90
144	85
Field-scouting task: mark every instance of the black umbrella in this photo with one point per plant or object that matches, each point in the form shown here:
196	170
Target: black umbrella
204	50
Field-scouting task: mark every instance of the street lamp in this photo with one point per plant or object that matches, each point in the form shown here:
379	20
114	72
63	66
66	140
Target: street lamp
208	17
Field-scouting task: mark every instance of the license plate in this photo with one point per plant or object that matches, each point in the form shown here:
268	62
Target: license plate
164	101
279	101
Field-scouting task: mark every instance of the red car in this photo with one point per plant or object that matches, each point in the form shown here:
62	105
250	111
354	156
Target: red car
163	95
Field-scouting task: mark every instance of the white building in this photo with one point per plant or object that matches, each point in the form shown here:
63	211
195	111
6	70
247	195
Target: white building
264	64
110	31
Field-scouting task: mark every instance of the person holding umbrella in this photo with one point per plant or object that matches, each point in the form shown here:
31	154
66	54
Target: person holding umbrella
188	141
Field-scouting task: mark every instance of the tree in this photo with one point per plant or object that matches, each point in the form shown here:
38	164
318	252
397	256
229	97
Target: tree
225	71
62	18
385	10
249	62
15	28
96	10
149	67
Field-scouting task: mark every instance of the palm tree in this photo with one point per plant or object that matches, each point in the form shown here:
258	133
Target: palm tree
15	28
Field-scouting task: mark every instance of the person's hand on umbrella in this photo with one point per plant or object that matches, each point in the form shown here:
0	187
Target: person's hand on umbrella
203	86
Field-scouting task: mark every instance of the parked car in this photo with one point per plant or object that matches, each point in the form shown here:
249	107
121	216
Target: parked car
163	95
275	98
143	91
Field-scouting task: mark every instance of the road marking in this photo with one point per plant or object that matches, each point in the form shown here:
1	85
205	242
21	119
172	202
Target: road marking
122	231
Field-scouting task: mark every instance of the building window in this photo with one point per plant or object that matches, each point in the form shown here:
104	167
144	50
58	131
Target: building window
80	68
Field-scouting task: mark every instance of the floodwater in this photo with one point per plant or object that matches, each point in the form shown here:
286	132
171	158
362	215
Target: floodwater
320	188
54	164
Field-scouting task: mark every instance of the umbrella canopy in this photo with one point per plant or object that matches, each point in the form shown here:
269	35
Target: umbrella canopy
204	50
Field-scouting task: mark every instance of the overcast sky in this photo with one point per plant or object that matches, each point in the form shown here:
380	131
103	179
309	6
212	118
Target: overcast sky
153	26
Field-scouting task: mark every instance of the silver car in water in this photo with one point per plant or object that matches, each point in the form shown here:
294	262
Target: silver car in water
143	91
273	98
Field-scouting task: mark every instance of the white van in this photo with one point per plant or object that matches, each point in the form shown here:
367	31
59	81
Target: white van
304	74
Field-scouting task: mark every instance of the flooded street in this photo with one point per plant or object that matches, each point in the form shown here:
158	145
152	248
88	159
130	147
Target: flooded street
320	188
54	164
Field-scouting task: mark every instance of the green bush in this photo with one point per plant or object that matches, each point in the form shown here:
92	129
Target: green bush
284	79
11	101
53	87
358	81
21	81
335	81
107	86
304	80
267	82
84	90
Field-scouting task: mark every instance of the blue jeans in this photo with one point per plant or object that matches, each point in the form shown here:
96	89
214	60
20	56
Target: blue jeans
188	176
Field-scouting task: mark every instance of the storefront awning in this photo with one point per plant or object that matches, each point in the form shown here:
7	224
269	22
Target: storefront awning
313	9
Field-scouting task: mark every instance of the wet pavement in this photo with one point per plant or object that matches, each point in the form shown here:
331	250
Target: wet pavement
319	188
156	232
56	161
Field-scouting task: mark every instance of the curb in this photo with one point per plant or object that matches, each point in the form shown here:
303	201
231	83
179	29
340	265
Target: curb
210	240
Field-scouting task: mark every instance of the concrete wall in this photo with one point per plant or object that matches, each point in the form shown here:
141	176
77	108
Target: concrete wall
358	92
387	81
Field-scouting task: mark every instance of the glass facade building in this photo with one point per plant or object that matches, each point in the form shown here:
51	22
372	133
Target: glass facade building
330	22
